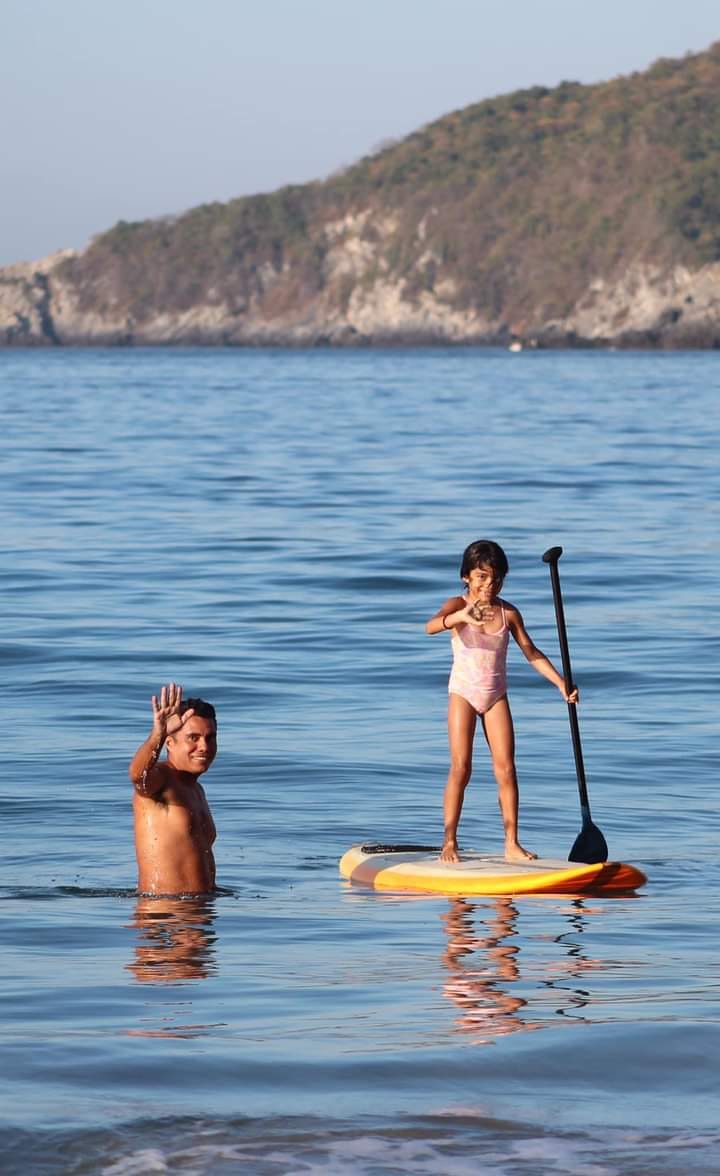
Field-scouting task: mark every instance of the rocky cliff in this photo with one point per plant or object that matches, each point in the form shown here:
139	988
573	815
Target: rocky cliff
581	215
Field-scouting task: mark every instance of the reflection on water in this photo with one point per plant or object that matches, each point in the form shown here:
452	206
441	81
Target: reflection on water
175	939
484	963
174	945
575	964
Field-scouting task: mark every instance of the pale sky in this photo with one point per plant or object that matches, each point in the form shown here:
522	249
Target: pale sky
128	110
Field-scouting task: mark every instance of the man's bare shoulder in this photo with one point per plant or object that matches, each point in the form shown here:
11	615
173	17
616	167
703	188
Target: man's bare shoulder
154	785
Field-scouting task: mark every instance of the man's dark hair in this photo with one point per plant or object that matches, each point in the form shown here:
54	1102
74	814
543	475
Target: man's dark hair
203	709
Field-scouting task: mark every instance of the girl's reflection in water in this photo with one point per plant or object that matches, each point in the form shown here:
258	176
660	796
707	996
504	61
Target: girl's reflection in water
175	939
478	985
484	965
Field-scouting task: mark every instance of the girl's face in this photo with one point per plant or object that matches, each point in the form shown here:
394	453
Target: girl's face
483	584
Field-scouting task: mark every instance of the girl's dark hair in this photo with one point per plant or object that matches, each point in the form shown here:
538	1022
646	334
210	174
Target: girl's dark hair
484	553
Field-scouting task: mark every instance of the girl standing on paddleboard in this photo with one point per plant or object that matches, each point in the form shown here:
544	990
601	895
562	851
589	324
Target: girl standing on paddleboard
481	624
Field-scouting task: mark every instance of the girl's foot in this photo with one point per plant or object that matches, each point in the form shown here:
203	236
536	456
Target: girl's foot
449	852
514	852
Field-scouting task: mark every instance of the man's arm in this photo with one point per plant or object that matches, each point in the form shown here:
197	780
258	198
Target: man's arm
147	775
144	770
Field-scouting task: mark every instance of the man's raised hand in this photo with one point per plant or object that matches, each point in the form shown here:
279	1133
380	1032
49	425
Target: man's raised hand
166	710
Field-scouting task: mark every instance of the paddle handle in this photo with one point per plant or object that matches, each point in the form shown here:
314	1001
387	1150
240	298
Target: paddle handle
551	557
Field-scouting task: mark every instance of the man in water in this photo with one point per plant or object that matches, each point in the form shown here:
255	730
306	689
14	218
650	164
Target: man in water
174	831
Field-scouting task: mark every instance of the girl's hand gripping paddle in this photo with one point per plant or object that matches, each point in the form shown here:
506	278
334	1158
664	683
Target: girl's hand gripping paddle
590	845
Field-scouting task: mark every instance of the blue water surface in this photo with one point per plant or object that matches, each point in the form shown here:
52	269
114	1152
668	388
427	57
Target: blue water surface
272	529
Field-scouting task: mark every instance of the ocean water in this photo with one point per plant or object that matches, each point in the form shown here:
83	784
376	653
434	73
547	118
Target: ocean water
272	529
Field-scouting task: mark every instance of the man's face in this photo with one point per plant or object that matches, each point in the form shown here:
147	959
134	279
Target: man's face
194	747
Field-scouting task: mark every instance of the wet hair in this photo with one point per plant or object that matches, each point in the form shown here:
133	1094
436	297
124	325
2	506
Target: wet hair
203	709
484	553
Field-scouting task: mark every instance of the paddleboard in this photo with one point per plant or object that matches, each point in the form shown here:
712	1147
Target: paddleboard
418	867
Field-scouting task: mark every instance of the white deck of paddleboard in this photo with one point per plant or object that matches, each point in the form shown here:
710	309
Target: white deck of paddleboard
470	863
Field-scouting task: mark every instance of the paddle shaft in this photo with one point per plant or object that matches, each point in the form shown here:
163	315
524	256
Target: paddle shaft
551	558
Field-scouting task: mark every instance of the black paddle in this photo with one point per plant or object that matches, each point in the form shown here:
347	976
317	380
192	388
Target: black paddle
590	845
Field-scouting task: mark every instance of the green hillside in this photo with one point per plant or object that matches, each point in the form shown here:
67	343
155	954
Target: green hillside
509	208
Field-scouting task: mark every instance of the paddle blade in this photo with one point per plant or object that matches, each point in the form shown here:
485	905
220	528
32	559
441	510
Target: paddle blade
590	846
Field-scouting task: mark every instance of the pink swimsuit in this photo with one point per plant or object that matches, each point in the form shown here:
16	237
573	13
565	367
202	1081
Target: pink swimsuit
479	665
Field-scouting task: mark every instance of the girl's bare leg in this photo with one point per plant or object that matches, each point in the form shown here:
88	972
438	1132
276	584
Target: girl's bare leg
500	734
462	720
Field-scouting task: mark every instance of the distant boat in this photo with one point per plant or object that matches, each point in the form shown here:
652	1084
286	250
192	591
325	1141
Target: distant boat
516	345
